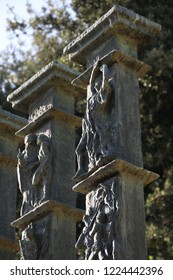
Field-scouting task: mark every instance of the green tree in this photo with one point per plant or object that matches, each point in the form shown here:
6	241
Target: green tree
46	33
52	29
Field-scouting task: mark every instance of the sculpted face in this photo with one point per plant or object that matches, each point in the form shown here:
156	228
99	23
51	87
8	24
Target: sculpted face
42	138
30	139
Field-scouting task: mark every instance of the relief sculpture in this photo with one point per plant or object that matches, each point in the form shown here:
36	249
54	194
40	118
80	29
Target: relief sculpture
34	171
99	238
34	241
34	178
27	163
28	245
96	146
41	180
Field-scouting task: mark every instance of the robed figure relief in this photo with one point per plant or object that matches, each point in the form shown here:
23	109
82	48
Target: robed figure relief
41	180
96	146
34	171
27	164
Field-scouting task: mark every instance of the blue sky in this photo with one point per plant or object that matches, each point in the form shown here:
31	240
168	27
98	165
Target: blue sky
20	10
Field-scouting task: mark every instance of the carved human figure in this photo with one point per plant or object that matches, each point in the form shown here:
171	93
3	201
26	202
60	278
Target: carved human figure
84	242
110	242
97	234
28	245
41	180
34	241
27	163
99	239
102	231
96	144
104	142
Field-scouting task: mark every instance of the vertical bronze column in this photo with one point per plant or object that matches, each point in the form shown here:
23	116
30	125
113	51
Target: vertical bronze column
47	163
110	166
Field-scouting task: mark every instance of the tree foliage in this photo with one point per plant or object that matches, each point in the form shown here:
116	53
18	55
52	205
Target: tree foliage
52	29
